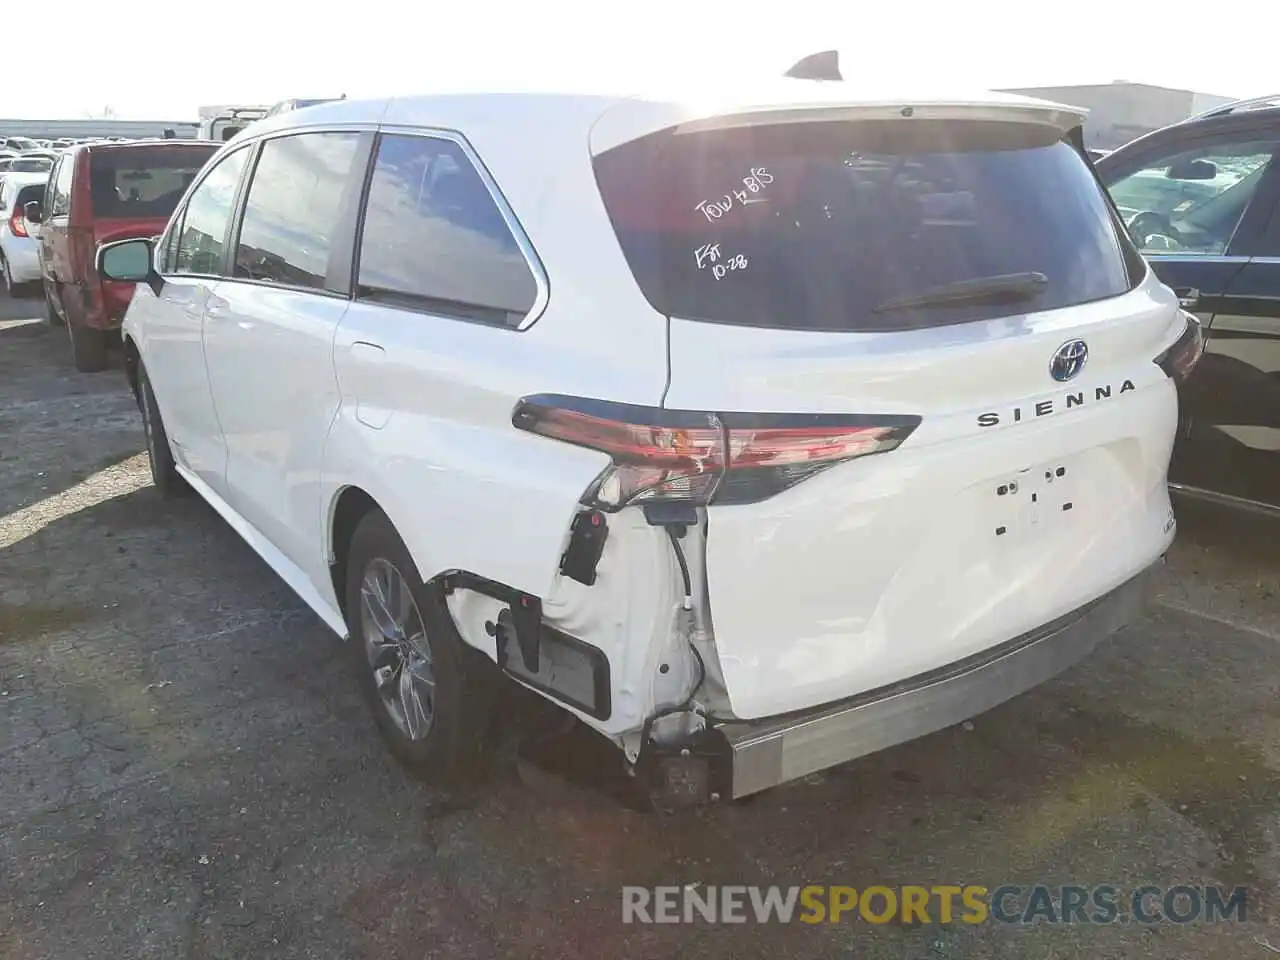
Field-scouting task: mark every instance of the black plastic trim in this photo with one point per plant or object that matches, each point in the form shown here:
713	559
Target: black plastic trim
602	708
527	410
588	533
231	239
526	609
525	613
340	271
453	580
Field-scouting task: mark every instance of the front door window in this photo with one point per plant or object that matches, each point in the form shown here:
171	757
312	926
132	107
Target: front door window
1191	202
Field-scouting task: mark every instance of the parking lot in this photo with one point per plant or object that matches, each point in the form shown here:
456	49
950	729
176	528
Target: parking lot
187	769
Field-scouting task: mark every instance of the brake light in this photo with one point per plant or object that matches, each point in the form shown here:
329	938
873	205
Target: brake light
18	224
1181	358
701	457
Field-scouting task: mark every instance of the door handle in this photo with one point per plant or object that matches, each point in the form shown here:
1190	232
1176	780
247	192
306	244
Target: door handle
1188	297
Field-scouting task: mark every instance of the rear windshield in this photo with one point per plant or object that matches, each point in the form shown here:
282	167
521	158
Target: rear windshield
31	193
822	226
31	165
143	183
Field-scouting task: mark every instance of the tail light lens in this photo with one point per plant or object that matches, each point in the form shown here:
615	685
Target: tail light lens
18	224
1180	359
701	457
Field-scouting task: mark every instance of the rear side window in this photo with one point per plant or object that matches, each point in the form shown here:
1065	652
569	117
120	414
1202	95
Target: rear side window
295	204
142	183
839	226
435	240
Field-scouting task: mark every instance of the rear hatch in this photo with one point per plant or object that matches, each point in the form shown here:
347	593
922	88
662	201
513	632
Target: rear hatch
24	230
932	351
133	190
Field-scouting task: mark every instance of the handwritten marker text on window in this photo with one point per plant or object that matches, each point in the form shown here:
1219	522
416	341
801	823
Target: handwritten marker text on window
752	186
708	255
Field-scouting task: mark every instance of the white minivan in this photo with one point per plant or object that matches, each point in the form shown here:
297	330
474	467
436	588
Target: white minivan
759	431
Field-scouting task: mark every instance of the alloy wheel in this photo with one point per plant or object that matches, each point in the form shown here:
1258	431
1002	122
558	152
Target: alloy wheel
396	646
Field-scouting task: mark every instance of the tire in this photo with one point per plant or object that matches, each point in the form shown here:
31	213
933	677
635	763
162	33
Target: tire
8	278
164	472
88	348
446	746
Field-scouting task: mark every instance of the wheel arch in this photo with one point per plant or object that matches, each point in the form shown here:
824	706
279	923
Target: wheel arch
351	505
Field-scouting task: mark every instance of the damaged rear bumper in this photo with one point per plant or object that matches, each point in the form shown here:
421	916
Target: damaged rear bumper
768	752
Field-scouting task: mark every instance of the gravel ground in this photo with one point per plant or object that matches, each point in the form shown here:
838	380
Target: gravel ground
187	770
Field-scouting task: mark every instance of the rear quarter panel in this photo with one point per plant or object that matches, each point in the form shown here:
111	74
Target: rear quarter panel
424	426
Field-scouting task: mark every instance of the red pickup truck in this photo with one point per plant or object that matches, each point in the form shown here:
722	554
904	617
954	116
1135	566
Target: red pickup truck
99	192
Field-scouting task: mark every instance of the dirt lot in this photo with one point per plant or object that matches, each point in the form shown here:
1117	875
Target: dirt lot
186	768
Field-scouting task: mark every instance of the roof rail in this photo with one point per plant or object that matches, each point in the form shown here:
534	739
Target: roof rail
1236	106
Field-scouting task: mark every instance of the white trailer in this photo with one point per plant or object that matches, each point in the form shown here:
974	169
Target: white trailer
224	121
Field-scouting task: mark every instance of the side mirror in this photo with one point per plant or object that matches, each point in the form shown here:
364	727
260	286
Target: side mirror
33	210
128	261
1192	170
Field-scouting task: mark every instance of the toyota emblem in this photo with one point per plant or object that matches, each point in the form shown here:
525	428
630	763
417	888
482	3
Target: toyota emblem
1068	360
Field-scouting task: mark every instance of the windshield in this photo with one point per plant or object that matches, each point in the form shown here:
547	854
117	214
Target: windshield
813	226
143	182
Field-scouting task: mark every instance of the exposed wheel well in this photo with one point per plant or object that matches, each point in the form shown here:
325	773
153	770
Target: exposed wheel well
131	360
353	503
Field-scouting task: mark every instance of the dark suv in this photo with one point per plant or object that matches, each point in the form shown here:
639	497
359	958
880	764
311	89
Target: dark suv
1201	201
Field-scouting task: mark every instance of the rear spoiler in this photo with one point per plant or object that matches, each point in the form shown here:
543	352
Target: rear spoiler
817	66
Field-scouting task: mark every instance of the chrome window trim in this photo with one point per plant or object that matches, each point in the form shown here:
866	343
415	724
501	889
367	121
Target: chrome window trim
1194	258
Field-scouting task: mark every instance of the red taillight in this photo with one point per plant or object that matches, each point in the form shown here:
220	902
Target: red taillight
1181	358
18	224
691	456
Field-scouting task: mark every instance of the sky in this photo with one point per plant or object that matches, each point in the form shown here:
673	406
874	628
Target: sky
166	63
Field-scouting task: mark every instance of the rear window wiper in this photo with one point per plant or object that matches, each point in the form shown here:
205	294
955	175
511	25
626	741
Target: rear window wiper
1008	286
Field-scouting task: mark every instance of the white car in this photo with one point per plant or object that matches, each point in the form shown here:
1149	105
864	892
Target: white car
18	144
758	431
19	251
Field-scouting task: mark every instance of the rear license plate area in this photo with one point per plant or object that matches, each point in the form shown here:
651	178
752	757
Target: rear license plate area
1033	501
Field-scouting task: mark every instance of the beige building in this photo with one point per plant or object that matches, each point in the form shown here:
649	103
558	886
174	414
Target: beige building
1121	111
